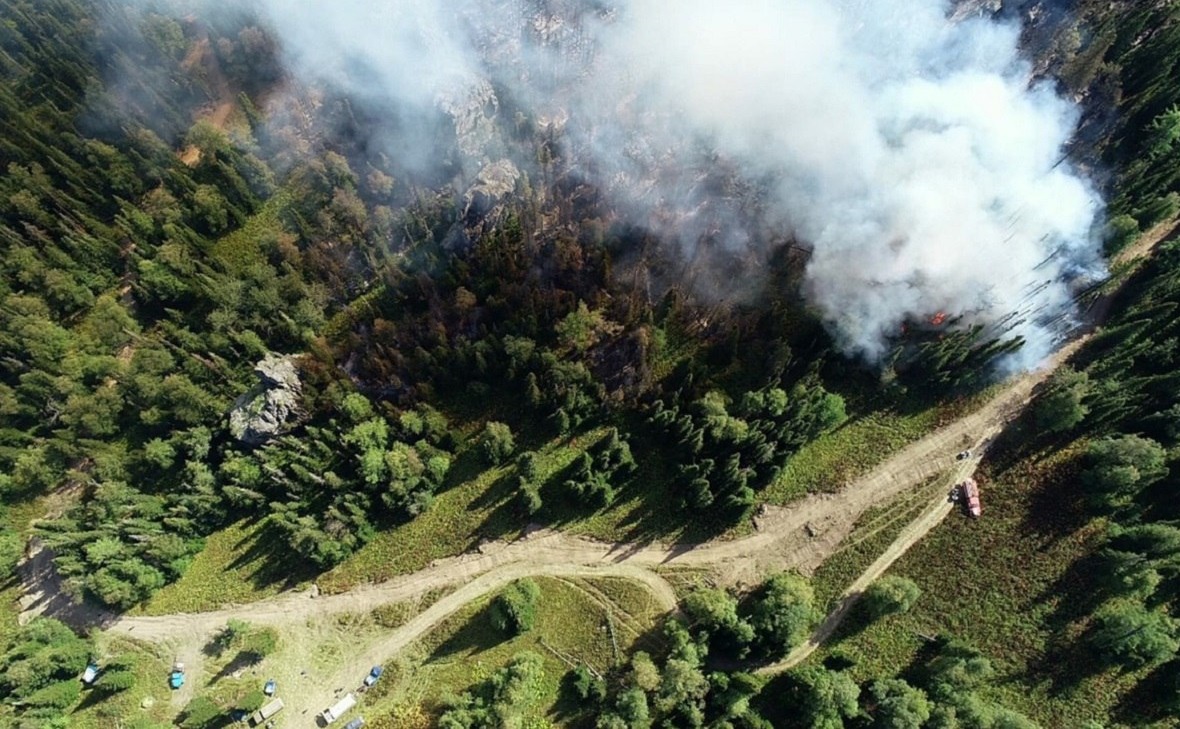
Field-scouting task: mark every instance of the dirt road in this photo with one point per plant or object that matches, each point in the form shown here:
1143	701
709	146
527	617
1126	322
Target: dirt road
931	517
800	536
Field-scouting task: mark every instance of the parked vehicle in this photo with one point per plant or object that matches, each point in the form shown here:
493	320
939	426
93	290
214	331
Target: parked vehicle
356	723
971	498
335	711
963	455
90	673
374	675
176	678
267	712
269	688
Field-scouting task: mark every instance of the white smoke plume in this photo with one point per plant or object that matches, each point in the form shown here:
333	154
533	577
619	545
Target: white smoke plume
908	151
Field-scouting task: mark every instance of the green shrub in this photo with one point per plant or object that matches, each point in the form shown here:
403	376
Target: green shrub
890	594
1131	635
899	705
1118	468
496	443
115	679
252	701
586	686
201	713
56	695
1121	231
1061	407
260	643
514	610
784	613
1159	209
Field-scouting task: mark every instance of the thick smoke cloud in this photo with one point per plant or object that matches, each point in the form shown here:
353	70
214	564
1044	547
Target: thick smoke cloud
909	152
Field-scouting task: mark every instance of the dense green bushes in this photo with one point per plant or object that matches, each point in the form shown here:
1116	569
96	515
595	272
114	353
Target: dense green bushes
40	668
1122	399
725	458
514	611
500	700
1130	634
677	691
496	443
252	643
768	622
596	475
890	594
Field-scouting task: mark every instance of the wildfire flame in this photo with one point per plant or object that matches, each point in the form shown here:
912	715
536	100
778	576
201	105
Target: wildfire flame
938	318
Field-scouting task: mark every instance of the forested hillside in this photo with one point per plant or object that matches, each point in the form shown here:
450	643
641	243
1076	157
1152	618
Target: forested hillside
140	291
222	297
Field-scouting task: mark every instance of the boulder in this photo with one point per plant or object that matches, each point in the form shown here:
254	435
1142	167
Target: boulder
483	204
271	407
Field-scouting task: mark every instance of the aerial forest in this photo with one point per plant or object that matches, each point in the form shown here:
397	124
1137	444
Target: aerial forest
224	298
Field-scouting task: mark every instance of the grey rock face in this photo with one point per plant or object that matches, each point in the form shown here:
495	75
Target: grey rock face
975	8
483	207
494	182
271	407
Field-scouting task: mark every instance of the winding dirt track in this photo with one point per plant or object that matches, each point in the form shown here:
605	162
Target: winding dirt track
931	517
800	536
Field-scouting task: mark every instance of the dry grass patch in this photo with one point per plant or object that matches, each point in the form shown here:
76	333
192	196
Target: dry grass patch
575	622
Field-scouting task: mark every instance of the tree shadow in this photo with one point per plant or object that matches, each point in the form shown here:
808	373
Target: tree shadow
240	662
38	575
571	710
466	465
507	517
1022	440
1054	510
214	647
1142	705
853	619
558	505
1157	500
779	702
92	696
477	634
266	553
659	514
498	491
1066	663
1073	593
218	722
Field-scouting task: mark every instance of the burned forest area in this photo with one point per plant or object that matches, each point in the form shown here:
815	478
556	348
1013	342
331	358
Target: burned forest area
544	363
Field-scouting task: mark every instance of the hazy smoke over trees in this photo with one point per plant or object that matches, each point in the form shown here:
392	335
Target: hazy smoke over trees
909	152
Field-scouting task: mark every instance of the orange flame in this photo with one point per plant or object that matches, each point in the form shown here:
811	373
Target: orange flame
938	318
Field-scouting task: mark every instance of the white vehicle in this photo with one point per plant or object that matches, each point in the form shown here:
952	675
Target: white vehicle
90	673
267	712
338	709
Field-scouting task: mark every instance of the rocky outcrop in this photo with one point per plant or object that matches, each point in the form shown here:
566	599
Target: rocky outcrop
271	407
494	182
475	111
962	9
483	203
